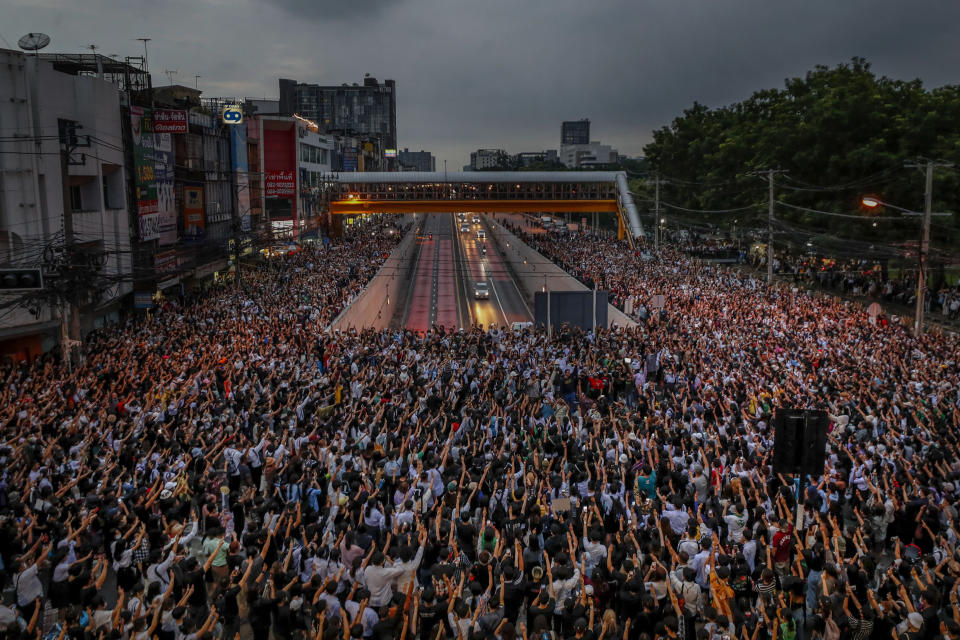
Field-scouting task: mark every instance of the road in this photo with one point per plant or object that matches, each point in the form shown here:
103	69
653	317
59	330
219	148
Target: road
449	264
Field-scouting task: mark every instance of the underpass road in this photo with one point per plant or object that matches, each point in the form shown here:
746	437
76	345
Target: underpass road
506	304
450	265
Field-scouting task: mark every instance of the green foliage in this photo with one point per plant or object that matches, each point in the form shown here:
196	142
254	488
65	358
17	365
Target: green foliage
843	127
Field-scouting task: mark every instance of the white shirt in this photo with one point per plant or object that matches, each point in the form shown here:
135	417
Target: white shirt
28	585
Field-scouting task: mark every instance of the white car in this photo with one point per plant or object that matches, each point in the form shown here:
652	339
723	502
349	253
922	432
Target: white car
481	291
481	235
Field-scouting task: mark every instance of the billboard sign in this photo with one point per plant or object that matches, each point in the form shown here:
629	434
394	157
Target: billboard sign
166	200
169	121
232	114
141	125
389	153
280	184
193	209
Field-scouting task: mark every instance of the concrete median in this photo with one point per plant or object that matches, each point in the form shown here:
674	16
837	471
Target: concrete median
534	272
375	305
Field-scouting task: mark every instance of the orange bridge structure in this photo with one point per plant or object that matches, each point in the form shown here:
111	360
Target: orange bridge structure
487	192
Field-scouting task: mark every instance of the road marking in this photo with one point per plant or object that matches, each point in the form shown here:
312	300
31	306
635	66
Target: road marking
513	280
506	320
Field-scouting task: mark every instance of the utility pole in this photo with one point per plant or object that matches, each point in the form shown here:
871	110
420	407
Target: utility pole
69	314
924	253
656	213
769	173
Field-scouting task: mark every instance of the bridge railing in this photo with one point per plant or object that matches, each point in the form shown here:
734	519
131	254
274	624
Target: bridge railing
472	191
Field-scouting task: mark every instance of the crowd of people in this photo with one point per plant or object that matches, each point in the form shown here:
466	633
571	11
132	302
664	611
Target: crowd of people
867	278
232	468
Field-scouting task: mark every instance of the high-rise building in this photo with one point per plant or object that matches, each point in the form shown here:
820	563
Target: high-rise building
575	132
417	161
368	109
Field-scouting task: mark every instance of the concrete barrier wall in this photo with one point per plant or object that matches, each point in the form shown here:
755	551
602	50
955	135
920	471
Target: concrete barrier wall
539	273
374	306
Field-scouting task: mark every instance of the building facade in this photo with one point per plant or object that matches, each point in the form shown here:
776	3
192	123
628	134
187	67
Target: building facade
297	160
528	158
417	160
575	132
368	109
586	156
63	198
487	159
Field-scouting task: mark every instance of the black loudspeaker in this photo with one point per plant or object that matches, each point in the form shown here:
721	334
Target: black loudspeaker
800	441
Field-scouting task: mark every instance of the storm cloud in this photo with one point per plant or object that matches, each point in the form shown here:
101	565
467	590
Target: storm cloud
505	73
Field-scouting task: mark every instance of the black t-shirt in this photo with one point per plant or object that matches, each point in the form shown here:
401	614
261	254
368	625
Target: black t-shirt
385	629
466	534
587	635
227	603
283	621
199	596
568	616
428	616
260	613
538	609
628	600
513	597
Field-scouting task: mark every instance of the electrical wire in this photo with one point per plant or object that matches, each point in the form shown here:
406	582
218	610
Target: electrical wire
806	186
838	215
734	210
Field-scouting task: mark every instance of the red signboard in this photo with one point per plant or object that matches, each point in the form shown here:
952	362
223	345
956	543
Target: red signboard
169	121
280	184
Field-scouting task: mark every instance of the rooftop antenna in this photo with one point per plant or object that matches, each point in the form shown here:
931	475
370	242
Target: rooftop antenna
93	48
146	60
34	42
170	73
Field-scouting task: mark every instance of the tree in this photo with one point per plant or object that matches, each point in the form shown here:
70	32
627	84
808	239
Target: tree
840	132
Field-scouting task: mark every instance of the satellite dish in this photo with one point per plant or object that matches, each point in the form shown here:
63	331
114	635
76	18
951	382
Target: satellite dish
33	41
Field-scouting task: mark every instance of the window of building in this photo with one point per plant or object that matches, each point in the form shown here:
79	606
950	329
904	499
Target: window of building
76	199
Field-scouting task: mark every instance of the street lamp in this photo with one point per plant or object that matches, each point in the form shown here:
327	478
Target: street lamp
872	203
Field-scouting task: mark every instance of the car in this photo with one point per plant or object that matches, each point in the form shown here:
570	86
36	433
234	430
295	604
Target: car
464	228
476	219
481	235
481	291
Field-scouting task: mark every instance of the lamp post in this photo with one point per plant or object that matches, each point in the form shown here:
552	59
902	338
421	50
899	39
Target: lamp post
922	255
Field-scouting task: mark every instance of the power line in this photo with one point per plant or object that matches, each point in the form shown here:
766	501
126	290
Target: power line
838	215
734	210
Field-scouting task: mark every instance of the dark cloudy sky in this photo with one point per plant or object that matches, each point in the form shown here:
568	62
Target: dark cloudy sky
505	73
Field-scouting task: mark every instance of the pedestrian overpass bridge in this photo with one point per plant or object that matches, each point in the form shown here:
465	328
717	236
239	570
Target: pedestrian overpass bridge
487	192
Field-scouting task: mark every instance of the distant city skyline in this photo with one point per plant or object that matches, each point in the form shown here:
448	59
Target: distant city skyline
520	69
